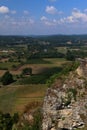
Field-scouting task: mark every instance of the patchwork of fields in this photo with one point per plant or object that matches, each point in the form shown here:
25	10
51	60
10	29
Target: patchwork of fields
15	97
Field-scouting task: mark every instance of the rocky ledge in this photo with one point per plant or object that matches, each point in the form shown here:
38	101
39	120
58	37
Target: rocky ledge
65	104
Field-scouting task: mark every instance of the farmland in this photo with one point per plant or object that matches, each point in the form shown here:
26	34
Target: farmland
15	97
44	58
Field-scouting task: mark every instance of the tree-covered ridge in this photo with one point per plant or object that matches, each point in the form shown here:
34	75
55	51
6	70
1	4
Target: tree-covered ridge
53	39
62	39
13	40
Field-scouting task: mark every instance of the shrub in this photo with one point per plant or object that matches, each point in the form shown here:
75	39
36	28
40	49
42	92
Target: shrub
27	71
74	92
7	121
7	78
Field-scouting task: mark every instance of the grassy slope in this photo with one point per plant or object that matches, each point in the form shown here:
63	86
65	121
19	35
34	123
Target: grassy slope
14	98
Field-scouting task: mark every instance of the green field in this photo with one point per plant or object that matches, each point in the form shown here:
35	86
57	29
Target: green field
62	49
36	65
8	65
46	61
15	98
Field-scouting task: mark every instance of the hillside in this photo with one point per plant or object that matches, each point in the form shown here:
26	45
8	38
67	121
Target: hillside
65	103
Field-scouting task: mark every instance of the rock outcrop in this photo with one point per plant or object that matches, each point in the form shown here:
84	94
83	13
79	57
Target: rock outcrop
65	104
82	69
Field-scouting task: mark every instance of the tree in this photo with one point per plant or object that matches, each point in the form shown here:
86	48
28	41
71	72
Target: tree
70	55
7	78
27	71
5	121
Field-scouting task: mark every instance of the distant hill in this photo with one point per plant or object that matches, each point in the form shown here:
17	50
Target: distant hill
11	40
64	38
53	39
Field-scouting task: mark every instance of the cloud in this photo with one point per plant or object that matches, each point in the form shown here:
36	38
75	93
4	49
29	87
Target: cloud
76	17
4	10
85	10
53	22
7	17
75	21
26	12
43	18
13	12
10	22
48	22
22	22
51	10
16	25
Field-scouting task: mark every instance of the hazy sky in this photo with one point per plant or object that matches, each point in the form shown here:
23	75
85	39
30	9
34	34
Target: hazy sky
27	17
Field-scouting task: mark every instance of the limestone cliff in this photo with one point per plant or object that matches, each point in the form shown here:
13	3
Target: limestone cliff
65	104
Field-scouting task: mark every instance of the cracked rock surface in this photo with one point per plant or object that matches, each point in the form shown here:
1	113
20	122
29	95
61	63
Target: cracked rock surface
65	104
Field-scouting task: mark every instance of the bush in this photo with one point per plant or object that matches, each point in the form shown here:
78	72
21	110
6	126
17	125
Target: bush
27	71
7	121
70	56
7	78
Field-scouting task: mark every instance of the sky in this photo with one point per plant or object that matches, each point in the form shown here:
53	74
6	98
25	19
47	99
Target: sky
43	17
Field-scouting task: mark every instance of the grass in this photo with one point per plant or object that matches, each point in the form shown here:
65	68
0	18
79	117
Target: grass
40	78
46	61
55	60
15	98
37	61
8	65
36	68
62	49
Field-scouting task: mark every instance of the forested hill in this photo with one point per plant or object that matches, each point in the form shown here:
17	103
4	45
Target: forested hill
64	38
13	40
45	39
57	37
